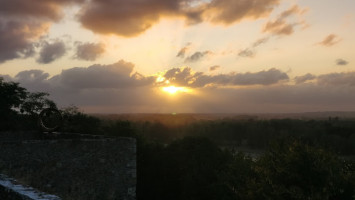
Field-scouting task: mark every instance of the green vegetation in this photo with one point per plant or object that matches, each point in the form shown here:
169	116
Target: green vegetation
302	159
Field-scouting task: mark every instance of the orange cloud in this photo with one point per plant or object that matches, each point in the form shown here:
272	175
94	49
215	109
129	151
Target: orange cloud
281	26
230	11
330	40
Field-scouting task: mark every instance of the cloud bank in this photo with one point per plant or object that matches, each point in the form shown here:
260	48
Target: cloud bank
186	77
118	88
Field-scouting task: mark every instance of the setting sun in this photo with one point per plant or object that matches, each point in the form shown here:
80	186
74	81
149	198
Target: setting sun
174	90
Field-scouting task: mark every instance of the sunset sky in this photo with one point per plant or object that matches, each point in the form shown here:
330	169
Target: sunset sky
183	56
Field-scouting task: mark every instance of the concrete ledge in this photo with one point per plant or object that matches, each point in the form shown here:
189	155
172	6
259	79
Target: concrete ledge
11	190
73	168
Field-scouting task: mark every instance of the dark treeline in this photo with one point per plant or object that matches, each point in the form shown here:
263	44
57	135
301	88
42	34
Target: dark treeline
300	159
334	134
195	168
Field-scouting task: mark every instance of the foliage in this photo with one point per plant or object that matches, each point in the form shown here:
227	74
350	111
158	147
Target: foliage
14	98
295	170
335	135
35	102
78	122
190	168
195	168
11	97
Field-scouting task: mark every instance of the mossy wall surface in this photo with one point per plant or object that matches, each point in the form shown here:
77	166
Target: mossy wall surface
73	168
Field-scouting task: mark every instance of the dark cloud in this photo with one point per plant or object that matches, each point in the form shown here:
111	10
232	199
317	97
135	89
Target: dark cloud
89	51
117	75
246	53
16	41
104	85
46	9
132	17
337	79
341	62
214	68
197	56
281	26
6	78
251	51
51	51
34	80
260	42
186	77
32	75
183	51
330	40
304	78
126	18
22	22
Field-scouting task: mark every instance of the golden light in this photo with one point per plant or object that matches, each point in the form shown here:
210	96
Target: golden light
173	90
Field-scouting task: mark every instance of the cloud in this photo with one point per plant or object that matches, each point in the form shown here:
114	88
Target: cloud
117	75
23	22
304	78
281	26
32	75
214	68
186	77
250	52
330	40
246	53
337	79
116	88
6	78
231	11
183	51
50	9
89	51
197	56
51	51
130	18
97	85
341	62
260	42
126	18
16	40
114	76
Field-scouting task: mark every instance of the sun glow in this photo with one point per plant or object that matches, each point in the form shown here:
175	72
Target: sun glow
173	90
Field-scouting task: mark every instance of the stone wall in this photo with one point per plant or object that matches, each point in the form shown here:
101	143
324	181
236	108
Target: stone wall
73	168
